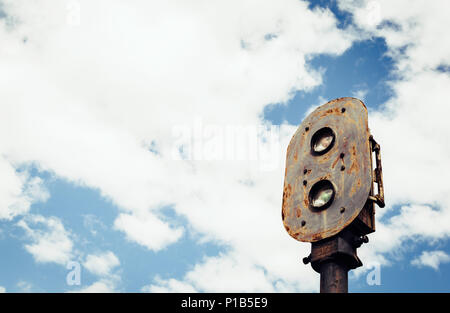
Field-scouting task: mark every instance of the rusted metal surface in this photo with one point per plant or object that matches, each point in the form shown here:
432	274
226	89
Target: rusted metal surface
333	278
365	222
347	165
340	248
334	257
378	174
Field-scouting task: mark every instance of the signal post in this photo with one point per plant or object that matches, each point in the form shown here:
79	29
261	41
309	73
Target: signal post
328	196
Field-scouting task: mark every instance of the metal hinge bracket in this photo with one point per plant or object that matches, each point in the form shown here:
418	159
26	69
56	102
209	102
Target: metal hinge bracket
378	174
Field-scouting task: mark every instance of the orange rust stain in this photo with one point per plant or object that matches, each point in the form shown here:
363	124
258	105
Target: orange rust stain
324	159
335	100
348	103
305	199
295	156
287	191
286	195
335	110
299	212
355	188
335	161
354	167
344	145
352	191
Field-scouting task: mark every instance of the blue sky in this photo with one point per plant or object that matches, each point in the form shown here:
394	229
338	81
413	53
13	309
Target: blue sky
90	121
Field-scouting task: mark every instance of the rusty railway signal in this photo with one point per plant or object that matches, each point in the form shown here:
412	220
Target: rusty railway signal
328	196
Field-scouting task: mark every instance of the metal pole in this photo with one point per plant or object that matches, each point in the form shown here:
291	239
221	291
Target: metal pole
333	257
333	277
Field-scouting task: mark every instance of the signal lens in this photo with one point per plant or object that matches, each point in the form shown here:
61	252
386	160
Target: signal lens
321	195
322	141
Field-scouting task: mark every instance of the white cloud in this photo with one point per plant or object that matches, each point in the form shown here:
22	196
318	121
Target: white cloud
25	286
101	264
2	289
104	265
432	259
415	25
169	285
50	240
101	286
18	191
360	94
147	230
229	275
234	272
93	224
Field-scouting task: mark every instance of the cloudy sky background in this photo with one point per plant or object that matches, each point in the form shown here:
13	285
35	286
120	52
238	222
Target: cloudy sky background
103	104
